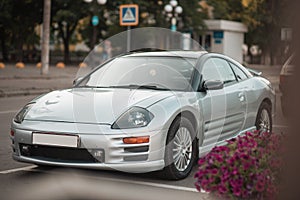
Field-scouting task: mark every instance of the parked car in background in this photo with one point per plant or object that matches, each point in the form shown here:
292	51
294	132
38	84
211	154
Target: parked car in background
144	111
284	80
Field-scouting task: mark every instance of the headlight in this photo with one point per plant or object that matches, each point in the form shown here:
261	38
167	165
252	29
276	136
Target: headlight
22	113
133	118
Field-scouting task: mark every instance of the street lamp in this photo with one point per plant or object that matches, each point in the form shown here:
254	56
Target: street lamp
173	10
95	21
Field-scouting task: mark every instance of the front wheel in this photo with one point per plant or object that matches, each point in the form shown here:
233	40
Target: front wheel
181	149
264	118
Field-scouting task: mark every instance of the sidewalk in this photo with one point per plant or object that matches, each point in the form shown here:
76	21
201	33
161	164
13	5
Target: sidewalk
29	81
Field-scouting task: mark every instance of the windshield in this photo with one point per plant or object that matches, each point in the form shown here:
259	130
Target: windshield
169	73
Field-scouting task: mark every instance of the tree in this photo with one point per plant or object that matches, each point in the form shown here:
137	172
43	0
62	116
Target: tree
5	15
66	15
151	13
264	19
17	22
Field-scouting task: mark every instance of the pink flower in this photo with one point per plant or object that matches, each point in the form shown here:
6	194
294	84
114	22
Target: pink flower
260	186
247	167
237	191
222	189
235	171
201	161
214	171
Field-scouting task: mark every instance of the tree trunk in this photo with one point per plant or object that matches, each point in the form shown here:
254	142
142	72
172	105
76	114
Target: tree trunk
66	50
65	37
3	46
94	37
19	50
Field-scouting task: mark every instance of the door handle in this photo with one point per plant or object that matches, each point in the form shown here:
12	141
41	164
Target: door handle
241	97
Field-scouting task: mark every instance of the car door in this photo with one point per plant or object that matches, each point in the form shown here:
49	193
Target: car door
224	109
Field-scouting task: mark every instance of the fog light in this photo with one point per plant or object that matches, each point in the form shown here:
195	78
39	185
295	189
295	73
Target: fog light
136	140
12	133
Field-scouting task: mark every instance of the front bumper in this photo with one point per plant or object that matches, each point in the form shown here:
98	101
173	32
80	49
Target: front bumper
136	167
135	158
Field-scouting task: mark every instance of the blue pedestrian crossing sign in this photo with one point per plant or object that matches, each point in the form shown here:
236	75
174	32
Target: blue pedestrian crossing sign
129	15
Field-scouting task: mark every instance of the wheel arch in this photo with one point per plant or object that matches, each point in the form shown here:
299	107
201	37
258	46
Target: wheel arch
192	118
268	101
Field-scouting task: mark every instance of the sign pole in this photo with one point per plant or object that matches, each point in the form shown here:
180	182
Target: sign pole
129	16
128	38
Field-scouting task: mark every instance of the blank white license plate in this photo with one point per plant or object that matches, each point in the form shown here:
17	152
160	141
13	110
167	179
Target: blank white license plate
55	140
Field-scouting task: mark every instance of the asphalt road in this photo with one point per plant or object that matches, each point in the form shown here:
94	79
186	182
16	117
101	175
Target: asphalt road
23	177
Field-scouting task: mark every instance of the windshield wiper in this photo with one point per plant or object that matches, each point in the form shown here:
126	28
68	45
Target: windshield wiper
150	87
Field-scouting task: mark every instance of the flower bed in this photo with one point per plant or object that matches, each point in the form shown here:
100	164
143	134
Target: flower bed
248	167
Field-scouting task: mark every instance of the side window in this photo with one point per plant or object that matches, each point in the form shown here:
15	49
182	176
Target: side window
218	69
240	75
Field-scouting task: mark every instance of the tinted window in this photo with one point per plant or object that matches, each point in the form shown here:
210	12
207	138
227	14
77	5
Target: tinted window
240	75
218	69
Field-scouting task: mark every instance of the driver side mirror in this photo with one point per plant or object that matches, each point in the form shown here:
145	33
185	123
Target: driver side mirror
213	85
77	80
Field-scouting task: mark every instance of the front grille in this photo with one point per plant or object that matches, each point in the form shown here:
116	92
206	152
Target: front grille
62	154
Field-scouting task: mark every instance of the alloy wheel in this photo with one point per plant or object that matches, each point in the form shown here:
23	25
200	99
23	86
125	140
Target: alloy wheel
182	149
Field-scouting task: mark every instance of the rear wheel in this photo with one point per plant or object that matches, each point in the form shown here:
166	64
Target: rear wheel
181	149
264	118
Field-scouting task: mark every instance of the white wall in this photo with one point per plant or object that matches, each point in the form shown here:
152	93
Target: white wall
233	42
233	38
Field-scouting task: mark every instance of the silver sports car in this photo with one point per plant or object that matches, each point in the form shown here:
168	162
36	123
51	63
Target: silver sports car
144	111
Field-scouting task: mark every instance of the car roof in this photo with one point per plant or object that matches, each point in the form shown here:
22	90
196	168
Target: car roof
183	53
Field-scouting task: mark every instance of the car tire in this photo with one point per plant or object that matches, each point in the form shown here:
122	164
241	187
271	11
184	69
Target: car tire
263	120
171	170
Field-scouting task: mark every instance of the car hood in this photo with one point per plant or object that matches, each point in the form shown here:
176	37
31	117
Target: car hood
86	105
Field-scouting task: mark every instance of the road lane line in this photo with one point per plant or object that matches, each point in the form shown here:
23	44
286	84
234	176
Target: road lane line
8	111
160	185
18	169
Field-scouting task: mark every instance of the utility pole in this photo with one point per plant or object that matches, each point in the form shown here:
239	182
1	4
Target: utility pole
45	37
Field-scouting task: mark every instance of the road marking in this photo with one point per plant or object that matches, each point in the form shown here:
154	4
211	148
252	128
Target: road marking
8	111
18	169
159	185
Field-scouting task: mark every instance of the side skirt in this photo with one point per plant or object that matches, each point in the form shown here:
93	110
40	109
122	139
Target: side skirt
203	150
